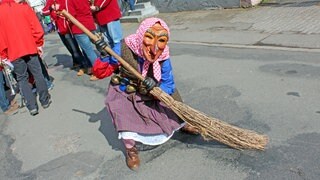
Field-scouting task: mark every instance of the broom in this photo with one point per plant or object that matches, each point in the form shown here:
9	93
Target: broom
210	128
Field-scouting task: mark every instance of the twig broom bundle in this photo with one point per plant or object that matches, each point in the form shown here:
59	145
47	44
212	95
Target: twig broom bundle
210	128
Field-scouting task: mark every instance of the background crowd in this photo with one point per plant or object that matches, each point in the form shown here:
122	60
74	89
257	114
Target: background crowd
28	67
142	122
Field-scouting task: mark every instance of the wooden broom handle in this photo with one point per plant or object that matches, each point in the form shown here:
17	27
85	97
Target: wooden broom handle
108	49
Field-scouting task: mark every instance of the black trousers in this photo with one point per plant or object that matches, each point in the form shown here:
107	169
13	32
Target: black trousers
44	69
21	67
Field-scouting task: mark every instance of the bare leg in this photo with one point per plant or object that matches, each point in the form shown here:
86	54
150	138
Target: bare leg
128	143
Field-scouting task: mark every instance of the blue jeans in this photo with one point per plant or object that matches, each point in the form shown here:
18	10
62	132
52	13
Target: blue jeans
4	103
86	45
113	32
21	67
131	4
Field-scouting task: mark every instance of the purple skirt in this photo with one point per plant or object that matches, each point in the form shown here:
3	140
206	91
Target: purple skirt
141	114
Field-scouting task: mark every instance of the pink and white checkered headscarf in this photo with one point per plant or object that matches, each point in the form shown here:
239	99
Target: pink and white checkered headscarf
135	41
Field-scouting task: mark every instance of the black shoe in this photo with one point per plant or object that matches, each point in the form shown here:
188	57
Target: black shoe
34	112
45	106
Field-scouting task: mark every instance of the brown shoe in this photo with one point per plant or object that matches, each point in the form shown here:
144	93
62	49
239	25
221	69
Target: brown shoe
80	72
190	129
93	78
133	161
13	109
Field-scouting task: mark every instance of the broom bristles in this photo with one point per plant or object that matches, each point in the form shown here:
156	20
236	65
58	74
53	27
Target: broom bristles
211	128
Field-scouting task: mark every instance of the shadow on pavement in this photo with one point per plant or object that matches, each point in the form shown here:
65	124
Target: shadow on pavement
63	59
106	127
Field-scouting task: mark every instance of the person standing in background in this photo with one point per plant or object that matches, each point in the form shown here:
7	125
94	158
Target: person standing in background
80	9
6	107
50	25
107	14
131	4
37	6
22	38
66	36
123	4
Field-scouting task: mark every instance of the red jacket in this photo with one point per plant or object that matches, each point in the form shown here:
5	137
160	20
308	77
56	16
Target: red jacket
20	30
80	9
60	21
109	11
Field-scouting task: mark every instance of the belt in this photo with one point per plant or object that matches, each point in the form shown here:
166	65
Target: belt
128	85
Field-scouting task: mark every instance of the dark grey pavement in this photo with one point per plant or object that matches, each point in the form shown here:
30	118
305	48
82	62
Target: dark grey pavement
75	139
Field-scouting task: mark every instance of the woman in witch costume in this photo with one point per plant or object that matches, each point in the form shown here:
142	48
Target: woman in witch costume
137	115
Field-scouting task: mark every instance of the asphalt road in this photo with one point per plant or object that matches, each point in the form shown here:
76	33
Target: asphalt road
254	74
268	91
